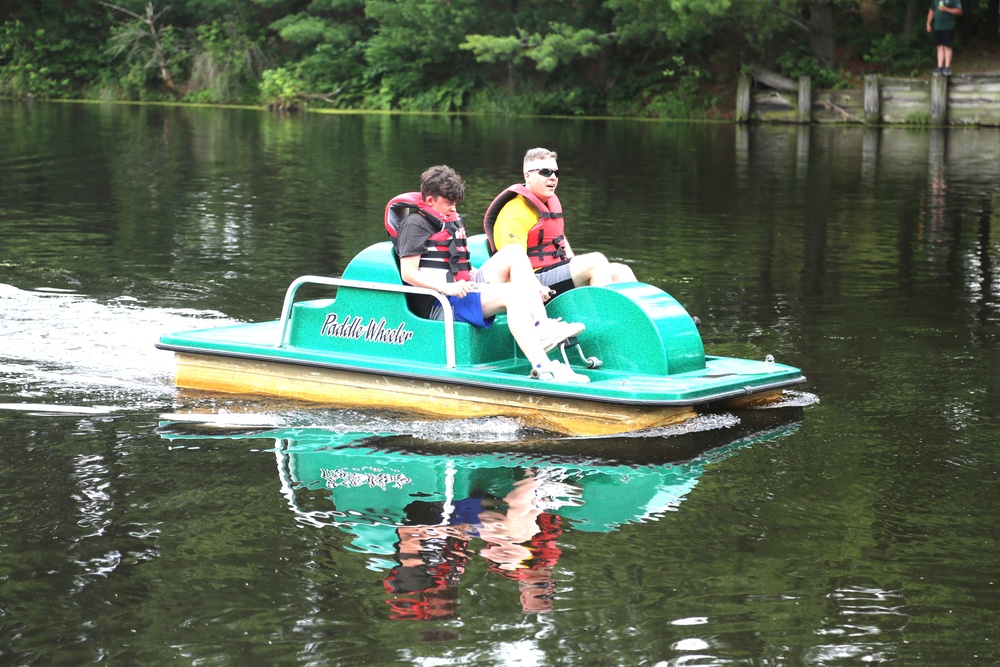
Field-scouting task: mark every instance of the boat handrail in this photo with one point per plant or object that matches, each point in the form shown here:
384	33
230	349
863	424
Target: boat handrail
449	315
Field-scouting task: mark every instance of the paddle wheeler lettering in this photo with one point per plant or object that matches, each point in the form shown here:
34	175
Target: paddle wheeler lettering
356	478
374	332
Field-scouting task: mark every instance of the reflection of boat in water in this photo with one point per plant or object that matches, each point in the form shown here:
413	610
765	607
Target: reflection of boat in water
366	348
422	514
363	483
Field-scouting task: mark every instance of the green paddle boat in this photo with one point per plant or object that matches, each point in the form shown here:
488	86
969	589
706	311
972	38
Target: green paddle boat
363	348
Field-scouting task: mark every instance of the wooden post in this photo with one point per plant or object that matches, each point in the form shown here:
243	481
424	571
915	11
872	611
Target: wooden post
873	103
805	99
939	100
743	86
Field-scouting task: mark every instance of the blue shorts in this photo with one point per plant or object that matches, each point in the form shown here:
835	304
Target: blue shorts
467	511
468	308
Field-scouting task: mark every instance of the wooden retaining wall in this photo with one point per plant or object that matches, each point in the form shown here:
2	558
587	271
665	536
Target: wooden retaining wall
961	99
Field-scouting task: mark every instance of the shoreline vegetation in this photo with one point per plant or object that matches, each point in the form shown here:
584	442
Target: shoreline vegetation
643	59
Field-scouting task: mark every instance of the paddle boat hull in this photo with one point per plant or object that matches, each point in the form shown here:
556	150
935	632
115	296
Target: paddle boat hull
366	349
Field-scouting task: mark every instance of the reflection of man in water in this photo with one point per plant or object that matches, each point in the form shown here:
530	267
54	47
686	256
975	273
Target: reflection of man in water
934	233
520	545
432	554
534	577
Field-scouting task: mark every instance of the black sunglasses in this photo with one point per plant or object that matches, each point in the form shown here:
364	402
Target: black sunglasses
545	173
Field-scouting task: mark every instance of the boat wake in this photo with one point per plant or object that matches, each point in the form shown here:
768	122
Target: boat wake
64	347
792	399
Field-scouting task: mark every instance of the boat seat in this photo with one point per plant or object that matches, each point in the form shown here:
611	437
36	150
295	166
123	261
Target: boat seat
479	249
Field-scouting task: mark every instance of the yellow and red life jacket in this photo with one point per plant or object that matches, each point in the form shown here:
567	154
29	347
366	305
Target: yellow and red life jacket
546	241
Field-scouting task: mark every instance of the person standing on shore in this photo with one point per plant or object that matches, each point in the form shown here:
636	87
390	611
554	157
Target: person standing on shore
941	20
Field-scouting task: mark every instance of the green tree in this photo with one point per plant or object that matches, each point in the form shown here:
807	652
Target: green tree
324	43
144	40
413	57
653	57
228	61
281	90
672	23
560	46
49	48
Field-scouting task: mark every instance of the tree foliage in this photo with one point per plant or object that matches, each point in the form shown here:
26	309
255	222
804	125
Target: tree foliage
560	46
633	57
144	38
663	23
49	50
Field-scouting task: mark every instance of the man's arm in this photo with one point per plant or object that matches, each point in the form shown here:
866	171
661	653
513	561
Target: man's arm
569	251
409	270
513	223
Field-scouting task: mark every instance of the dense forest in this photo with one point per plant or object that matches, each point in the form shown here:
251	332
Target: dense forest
649	58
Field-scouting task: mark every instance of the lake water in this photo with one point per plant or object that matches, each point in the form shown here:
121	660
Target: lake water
855	524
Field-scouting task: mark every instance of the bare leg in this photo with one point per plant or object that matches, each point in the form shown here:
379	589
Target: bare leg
621	273
511	264
517	302
593	268
590	269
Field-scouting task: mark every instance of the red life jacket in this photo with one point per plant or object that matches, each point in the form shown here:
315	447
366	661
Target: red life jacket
546	241
447	249
543	546
438	592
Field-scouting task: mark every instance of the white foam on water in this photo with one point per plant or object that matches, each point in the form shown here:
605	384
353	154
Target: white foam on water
55	341
225	419
61	409
795	399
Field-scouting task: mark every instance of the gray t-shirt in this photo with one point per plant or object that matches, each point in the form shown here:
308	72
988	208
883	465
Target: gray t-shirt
414	230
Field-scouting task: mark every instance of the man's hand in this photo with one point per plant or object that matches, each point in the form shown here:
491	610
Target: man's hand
545	291
459	288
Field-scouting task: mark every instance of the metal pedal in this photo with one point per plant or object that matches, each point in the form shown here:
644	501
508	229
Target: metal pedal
591	362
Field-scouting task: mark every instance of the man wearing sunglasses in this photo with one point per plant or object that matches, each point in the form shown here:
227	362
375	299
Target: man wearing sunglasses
530	216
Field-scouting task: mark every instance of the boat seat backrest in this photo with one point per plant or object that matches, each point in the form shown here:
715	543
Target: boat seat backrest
377	263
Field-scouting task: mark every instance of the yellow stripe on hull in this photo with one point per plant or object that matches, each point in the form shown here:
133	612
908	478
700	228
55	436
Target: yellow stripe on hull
432	399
